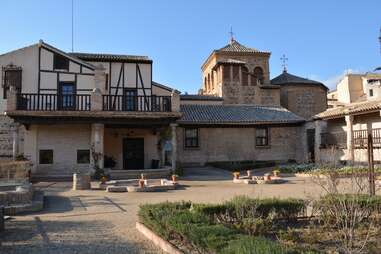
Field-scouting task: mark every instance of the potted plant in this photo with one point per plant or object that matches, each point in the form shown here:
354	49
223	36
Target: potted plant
236	174
276	172
174	178
267	177
103	179
141	183
248	173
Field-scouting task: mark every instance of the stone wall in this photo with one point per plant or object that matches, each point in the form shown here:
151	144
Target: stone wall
304	100
237	144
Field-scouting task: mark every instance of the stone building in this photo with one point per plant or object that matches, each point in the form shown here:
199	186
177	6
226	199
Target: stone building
354	113
240	114
66	112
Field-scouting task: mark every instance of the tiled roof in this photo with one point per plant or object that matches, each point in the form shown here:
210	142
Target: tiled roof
235	46
110	57
353	108
236	115
197	97
287	78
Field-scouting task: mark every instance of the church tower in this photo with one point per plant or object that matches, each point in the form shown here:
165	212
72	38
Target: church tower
240	75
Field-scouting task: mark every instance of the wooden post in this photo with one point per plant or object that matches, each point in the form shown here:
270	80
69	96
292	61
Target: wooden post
372	187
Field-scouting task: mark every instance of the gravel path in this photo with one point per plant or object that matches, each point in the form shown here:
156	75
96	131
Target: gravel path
99	222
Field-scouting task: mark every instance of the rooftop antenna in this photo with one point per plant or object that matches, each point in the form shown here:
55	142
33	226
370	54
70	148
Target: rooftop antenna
72	25
284	60
231	35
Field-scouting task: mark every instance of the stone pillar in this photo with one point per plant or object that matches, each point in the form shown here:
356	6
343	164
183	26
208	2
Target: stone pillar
350	148
175	101
97	136
15	141
96	100
99	88
12	99
174	145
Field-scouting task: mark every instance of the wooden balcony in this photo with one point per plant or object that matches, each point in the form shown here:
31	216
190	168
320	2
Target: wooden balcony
137	103
53	102
82	102
360	138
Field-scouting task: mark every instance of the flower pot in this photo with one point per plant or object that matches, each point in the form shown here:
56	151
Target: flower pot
141	183
267	177
236	175
276	173
174	178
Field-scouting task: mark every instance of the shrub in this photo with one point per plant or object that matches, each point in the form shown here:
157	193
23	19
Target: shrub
255	245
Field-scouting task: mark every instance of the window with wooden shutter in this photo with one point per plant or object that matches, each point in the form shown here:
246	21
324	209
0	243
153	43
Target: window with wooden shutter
12	77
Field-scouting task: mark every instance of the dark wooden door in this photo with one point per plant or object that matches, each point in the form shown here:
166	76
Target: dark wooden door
311	144
66	96
133	153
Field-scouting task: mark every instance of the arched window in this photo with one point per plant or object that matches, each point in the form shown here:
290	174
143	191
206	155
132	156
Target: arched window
226	73
245	75
258	76
209	82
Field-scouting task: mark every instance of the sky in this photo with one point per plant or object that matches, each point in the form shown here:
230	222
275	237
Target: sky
323	39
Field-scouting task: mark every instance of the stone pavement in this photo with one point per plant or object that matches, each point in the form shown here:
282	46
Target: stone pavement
99	222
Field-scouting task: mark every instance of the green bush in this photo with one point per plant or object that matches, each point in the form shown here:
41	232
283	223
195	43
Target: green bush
255	245
244	207
334	207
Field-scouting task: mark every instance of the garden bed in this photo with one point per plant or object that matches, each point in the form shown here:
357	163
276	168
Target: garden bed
245	225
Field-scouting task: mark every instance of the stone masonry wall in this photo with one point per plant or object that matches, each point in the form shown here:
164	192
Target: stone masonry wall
236	144
304	100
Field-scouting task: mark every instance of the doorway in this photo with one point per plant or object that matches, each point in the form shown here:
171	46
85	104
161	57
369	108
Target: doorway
311	144
66	96
133	153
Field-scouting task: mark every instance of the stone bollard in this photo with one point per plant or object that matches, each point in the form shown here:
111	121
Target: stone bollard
81	182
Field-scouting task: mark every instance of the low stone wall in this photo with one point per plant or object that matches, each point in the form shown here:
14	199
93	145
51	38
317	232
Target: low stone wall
15	170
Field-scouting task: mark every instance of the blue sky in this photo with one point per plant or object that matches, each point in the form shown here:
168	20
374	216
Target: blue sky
322	39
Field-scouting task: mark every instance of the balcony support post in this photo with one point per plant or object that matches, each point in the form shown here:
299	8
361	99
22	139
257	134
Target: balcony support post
15	141
349	131
174	145
97	143
320	127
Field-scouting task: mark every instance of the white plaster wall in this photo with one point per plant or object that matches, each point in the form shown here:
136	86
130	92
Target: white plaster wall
113	144
64	139
27	58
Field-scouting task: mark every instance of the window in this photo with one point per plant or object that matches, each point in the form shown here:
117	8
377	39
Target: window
60	62
261	137
235	72
83	156
226	72
258	76
46	156
370	92
191	138
245	76
11	77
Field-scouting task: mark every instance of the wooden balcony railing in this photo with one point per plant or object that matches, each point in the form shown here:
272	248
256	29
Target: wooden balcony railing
137	103
52	102
360	138
337	139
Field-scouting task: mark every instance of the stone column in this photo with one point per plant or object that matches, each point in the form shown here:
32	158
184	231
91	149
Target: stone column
175	101
350	148
12	99
15	141
174	145
97	136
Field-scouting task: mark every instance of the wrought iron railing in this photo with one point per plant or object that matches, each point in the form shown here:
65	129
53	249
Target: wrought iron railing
53	102
337	139
137	103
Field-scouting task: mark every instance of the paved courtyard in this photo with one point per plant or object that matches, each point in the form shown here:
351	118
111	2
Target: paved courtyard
99	222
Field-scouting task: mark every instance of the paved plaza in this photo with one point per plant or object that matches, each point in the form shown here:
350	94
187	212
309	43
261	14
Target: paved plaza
99	222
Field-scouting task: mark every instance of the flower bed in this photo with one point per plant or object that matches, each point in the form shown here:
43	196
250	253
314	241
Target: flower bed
238	226
245	225
311	168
